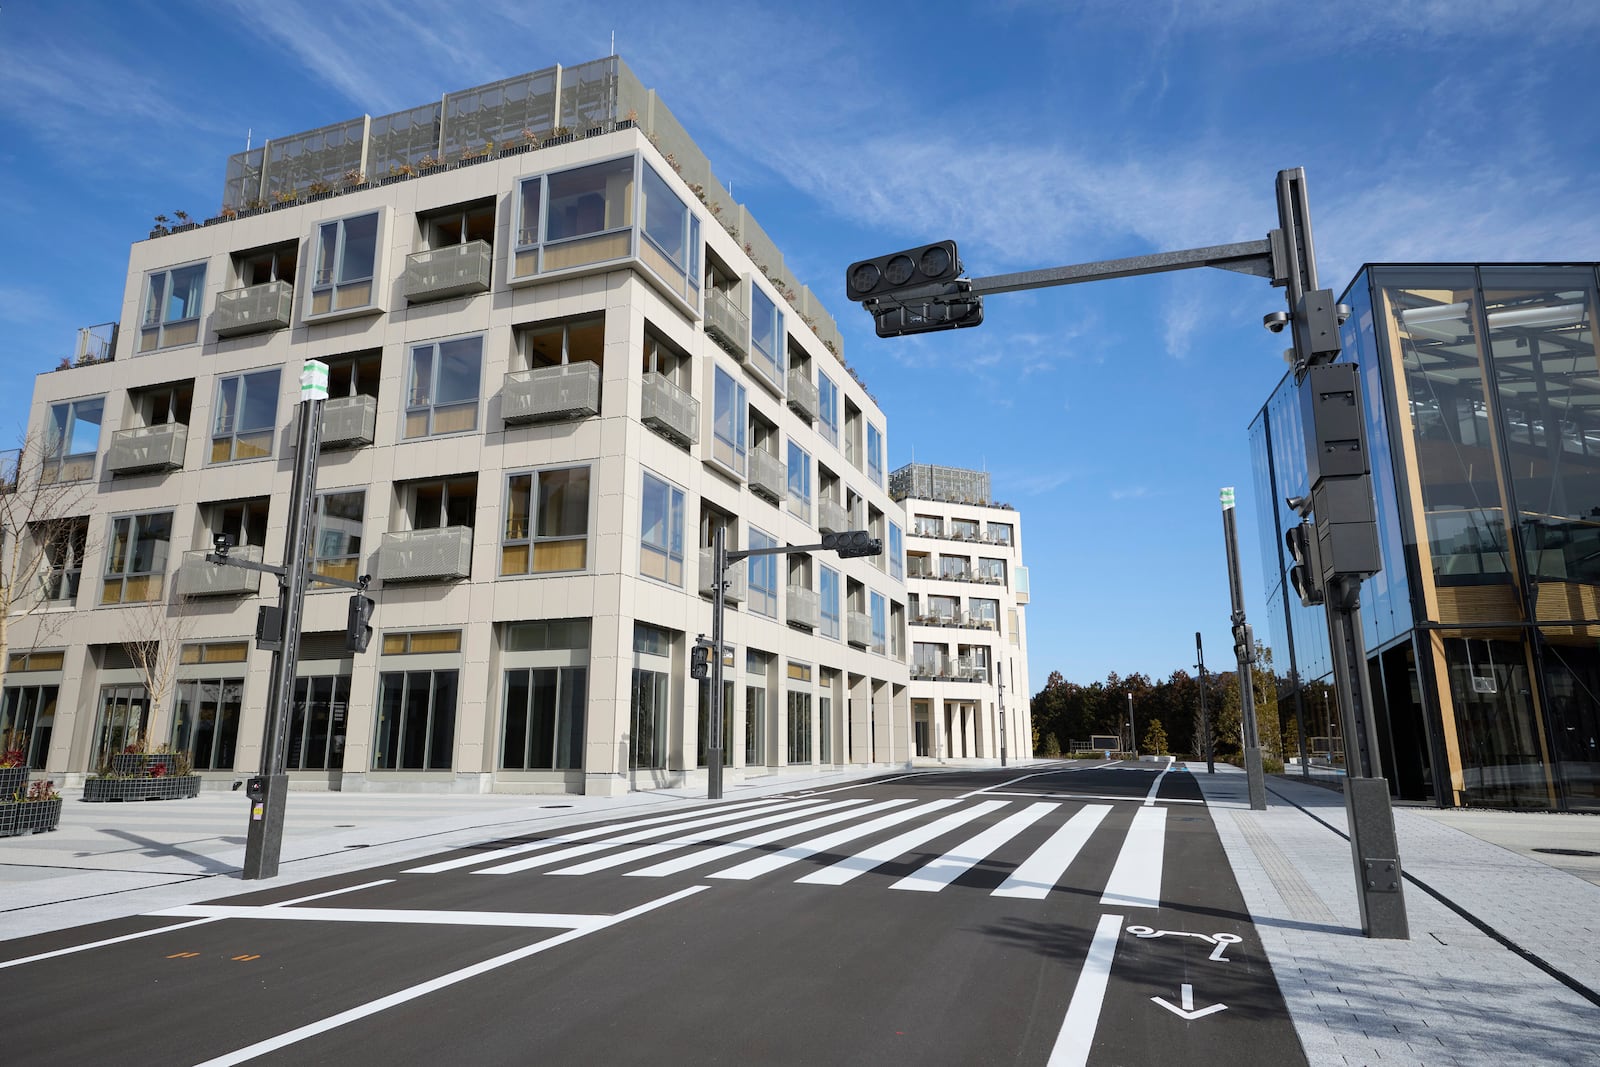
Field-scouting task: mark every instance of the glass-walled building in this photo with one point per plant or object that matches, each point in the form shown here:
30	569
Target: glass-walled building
1482	388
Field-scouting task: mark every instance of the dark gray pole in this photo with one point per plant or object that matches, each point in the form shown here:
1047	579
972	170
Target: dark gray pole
1205	716
1245	653
1002	715
264	835
719	565
1133	736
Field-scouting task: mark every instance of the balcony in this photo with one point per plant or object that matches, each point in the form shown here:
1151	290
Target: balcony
551	394
801	607
348	421
727	325
426	555
860	628
441	273
147	449
669	411
254	309
738	579
767	476
831	516
196	577
803	395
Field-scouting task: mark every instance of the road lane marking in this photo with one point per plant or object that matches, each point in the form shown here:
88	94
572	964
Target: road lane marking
934	876
1040	871
1155	786
1188	1011
860	785
864	861
272	1044
1136	878
1002	785
787	810
1091	796
782	858
539	920
723	851
1083	1011
575	836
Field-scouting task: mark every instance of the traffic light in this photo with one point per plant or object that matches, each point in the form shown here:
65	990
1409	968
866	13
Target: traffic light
925	315
358	632
851	543
700	659
915	291
1306	572
915	268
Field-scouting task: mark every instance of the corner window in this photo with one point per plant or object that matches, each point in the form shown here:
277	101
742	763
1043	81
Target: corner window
336	535
442	387
671	245
799	481
897	556
766	331
763	576
347	258
136	558
728	427
828	409
72	440
586	216
172	307
874	454
246	416
546	522
661	531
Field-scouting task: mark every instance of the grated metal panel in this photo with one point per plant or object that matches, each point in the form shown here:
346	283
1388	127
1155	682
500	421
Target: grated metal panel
738	589
669	410
802	607
349	421
768	476
441	273
426	555
196	577
548	394
803	394
255	309
147	448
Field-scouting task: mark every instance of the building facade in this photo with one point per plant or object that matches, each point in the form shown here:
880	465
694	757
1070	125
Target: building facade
967	591
561	357
1482	392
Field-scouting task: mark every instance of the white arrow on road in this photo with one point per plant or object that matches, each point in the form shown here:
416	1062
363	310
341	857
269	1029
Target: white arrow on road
1188	1010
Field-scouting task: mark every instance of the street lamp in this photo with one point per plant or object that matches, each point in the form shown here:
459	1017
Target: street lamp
1133	736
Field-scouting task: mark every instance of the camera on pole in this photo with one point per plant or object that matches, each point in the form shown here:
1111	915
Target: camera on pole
1305	574
915	291
852	543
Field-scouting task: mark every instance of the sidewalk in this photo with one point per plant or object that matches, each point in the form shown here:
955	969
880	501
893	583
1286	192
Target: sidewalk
1452	994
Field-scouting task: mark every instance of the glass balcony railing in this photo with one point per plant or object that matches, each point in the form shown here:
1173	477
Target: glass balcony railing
738	579
197	577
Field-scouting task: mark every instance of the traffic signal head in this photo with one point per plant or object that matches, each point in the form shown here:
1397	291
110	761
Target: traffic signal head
1305	571
700	659
881	276
358	632
849	543
927	314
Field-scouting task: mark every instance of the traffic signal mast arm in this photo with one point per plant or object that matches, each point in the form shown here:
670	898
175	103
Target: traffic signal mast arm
1264	259
222	558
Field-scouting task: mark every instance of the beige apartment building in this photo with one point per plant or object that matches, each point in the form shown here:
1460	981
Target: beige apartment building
967	598
560	358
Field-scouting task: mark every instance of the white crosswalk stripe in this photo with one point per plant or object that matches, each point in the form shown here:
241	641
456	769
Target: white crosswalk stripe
876	856
1136	879
932	877
1040	871
782	858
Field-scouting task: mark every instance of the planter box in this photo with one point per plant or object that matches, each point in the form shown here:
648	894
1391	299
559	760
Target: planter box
29	816
13	780
130	763
167	787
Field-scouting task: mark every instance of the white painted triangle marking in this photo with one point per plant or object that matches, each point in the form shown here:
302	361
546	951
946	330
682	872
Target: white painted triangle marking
1188	1010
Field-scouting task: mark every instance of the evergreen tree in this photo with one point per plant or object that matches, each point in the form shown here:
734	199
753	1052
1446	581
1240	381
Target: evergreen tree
1155	738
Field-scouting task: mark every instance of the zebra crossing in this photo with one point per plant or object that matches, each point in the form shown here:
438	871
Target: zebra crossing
783	832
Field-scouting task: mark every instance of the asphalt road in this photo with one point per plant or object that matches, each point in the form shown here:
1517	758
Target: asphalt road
1083	913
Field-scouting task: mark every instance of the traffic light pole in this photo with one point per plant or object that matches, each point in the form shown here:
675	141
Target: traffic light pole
1205	716
1244	648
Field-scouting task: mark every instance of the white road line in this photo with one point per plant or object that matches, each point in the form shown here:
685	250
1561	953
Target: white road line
934	876
860	785
787	810
719	852
574	836
542	920
1136	879
1083	1012
272	1044
1089	796
1040	871
864	861
1155	786
767	864
1002	785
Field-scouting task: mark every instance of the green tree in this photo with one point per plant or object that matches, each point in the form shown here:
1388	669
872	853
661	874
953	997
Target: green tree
1052	747
1155	738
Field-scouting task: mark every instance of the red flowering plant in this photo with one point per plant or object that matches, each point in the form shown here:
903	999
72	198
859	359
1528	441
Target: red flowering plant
13	757
42	790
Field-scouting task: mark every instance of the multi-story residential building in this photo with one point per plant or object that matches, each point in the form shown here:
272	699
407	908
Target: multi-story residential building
966	600
561	357
1482	393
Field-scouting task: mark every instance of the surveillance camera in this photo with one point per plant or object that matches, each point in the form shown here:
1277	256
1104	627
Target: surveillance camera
222	542
1275	321
1344	313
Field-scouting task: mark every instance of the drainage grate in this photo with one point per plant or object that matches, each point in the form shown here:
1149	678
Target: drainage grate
1566	852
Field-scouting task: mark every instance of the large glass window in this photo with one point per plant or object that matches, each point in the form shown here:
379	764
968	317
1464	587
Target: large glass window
828	409
799	481
992	570
897	552
763	576
27	716
828	600
347	258
755	710
64	543
172	307
799	747
416	721
136	560
766	331
442	387
661	531
124	711
729	423
874	454
336	536
246	416
547	522
73	440
588	214
984	612
650	703
544	718
1000	533
206	720
880	623
317	723
671	243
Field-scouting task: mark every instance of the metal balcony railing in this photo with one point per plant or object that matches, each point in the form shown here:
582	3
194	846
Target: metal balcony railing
551	394
147	448
802	608
859	627
196	577
349	421
802	394
669	410
440	273
738	578
767	475
831	516
727	325
426	555
254	309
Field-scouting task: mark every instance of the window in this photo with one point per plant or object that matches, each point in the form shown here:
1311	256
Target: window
880	624
588	217
983	612
27	716
556	344
1000	533
828	408
336	536
728	426
671	245
964	529
136	562
318	721
651	698
874	454
64	543
347	257
244	521
799	748
927	526
661	531
547	522
852	434
992	570
457	225
755	710
897	564
799	481
246	416
442	387
763	576
123	716
206	718
943	609
416	721
703	733
954	568
72	440
172	307
766	331
927	659
825	729
545	700
828	600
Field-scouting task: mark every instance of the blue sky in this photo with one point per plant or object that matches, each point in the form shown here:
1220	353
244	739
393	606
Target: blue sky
1034	134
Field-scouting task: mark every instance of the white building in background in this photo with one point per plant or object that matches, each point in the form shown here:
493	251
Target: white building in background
967	597
561	357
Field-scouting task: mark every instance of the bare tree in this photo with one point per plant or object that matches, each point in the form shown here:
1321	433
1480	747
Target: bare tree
153	636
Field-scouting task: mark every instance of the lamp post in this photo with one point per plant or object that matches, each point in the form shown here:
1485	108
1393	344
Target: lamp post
1205	716
1133	737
